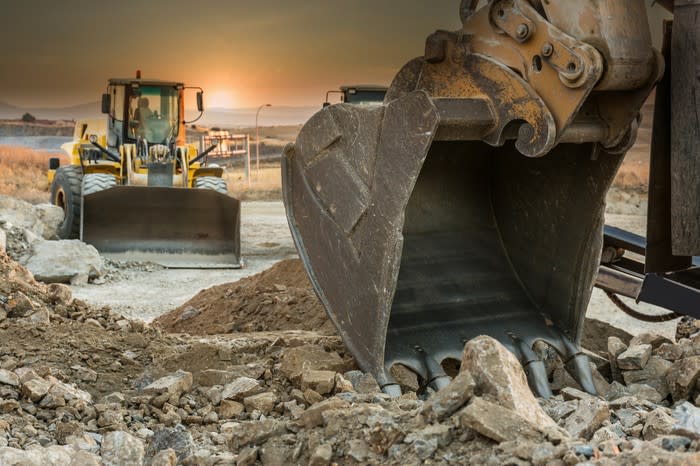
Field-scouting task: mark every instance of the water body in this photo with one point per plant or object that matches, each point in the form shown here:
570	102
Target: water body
42	143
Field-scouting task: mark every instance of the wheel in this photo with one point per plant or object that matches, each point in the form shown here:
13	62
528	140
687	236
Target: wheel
96	182
65	193
211	182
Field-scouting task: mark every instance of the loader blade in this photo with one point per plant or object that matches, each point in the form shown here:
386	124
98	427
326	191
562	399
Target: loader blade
174	227
416	245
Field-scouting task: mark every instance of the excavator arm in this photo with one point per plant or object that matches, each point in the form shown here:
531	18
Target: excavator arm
472	201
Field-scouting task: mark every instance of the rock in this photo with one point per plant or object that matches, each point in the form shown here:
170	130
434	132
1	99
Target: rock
19	305
311	397
362	382
427	440
230	409
342	385
450	399
681	377
8	406
653	339
173	384
615	348
673	443
653	374
634	357
558	410
321	456
61	261
657	423
263	402
644	392
588	418
295	361
50	217
313	416
500	378
35	388
405	377
67	391
686	327
41	220
603	435
669	351
496	422
251	433
51	456
321	382
687	421
211	377
275	454
60	293
165	458
189	313
9	378
121	449
177	440
248	456
3	241
241	388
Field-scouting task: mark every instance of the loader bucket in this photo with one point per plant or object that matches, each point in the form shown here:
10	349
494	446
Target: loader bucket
175	227
416	245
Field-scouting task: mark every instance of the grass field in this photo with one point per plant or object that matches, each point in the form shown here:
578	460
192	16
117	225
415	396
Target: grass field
265	185
23	173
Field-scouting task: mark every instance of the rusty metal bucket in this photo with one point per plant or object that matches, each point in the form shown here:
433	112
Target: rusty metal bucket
174	227
416	244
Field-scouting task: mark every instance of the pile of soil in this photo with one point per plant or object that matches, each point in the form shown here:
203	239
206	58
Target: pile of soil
280	298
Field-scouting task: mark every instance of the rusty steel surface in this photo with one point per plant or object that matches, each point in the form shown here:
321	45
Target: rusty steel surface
472	201
685	129
175	227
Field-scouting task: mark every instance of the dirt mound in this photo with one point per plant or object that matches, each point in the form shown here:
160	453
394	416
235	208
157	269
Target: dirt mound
280	298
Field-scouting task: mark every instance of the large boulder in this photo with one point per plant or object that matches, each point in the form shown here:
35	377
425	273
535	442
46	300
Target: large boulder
63	261
43	220
500	378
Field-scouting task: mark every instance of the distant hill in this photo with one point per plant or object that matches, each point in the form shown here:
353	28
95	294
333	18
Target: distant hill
76	112
245	117
223	117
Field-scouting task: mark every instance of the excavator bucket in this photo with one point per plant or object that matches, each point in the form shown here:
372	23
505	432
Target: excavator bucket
467	204
174	227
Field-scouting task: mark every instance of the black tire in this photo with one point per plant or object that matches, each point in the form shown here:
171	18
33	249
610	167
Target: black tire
211	182
66	193
96	182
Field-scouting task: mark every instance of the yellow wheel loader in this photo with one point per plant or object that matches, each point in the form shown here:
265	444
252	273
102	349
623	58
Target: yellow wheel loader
471	202
136	191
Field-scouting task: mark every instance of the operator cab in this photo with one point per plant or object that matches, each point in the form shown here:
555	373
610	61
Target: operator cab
151	111
361	94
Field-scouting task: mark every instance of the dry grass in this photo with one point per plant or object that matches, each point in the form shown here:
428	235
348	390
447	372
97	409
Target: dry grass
23	173
265	185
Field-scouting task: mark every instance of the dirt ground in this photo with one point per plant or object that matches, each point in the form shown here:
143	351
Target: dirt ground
143	293
280	298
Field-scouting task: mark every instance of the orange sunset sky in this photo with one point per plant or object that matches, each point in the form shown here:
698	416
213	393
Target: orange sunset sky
242	52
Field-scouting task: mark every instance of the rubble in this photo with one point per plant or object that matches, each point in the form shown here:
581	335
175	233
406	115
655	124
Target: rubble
87	386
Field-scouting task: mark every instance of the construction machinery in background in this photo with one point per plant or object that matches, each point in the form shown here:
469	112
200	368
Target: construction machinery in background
472	201
136	190
359	94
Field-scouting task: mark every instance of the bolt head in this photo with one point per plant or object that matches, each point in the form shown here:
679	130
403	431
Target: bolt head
547	49
522	31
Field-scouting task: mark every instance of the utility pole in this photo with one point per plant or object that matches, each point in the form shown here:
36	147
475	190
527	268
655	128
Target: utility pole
257	139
